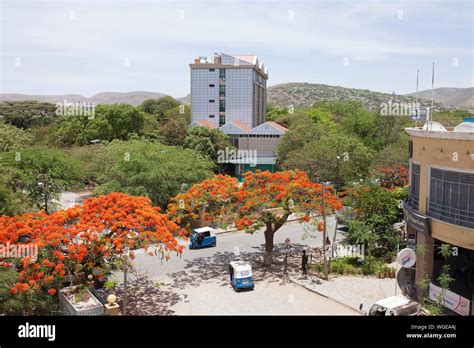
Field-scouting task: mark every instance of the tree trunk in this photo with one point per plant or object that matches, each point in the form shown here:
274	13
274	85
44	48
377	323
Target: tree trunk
268	257
125	286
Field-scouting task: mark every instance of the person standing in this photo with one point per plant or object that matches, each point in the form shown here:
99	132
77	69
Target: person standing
304	263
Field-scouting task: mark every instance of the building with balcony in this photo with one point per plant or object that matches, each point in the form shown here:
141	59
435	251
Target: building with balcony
440	207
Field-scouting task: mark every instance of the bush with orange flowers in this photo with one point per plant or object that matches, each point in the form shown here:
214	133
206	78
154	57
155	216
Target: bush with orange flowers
84	237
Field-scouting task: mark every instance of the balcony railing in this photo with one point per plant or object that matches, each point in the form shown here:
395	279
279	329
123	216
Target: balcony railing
451	215
413	202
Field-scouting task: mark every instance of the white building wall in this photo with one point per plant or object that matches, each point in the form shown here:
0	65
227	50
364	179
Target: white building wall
201	93
239	95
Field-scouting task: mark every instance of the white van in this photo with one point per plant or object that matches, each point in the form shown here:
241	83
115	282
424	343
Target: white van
393	305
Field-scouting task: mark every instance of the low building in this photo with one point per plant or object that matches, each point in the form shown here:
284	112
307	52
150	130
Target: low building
440	209
255	148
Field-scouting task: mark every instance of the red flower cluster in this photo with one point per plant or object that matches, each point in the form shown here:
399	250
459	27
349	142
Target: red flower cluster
101	228
392	177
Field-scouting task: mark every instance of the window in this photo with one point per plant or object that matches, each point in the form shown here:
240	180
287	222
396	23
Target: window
222	91
451	197
221	105
211	100
211	85
414	194
212	69
211	116
221	120
222	73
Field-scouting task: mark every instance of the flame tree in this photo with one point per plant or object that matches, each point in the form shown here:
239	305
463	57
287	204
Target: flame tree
84	237
264	201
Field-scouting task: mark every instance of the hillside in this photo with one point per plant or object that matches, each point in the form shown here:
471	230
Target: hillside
462	98
304	94
282	95
134	98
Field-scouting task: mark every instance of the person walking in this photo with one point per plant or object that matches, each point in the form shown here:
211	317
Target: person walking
304	263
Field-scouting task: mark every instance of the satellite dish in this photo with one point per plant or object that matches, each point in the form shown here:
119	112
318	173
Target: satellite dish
406	258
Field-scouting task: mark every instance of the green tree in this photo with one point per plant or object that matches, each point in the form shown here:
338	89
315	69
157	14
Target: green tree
206	141
339	157
13	197
117	121
12	137
302	131
451	118
174	128
27	114
144	168
274	113
45	172
159	107
377	211
391	155
174	132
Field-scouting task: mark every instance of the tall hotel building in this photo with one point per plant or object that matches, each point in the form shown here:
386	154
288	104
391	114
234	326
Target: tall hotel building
229	92
228	89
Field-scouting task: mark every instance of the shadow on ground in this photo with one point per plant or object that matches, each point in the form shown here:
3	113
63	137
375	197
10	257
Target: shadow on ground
286	263
145	298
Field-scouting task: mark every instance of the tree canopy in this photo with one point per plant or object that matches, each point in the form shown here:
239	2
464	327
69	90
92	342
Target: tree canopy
84	237
144	168
207	141
42	173
27	114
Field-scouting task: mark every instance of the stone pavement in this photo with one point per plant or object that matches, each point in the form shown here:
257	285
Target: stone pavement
350	290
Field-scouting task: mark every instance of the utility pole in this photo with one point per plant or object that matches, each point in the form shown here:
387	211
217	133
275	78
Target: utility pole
430	117
416	98
326	271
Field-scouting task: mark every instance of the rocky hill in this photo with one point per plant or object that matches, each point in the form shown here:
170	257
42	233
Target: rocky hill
461	98
304	94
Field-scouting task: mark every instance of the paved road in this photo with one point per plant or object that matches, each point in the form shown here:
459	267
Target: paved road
68	199
197	282
249	246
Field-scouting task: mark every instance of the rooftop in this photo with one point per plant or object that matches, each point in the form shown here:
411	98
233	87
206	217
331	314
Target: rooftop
431	129
237	60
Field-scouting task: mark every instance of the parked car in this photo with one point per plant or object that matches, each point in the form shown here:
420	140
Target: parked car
393	306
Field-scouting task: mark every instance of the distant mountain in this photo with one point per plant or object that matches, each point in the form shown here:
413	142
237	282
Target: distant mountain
283	95
134	98
304	94
462	98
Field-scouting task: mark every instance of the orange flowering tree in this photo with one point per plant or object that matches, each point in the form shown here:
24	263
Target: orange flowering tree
264	201
86	237
207	201
392	177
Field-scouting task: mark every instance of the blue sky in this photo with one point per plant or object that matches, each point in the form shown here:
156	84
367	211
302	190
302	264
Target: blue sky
86	47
